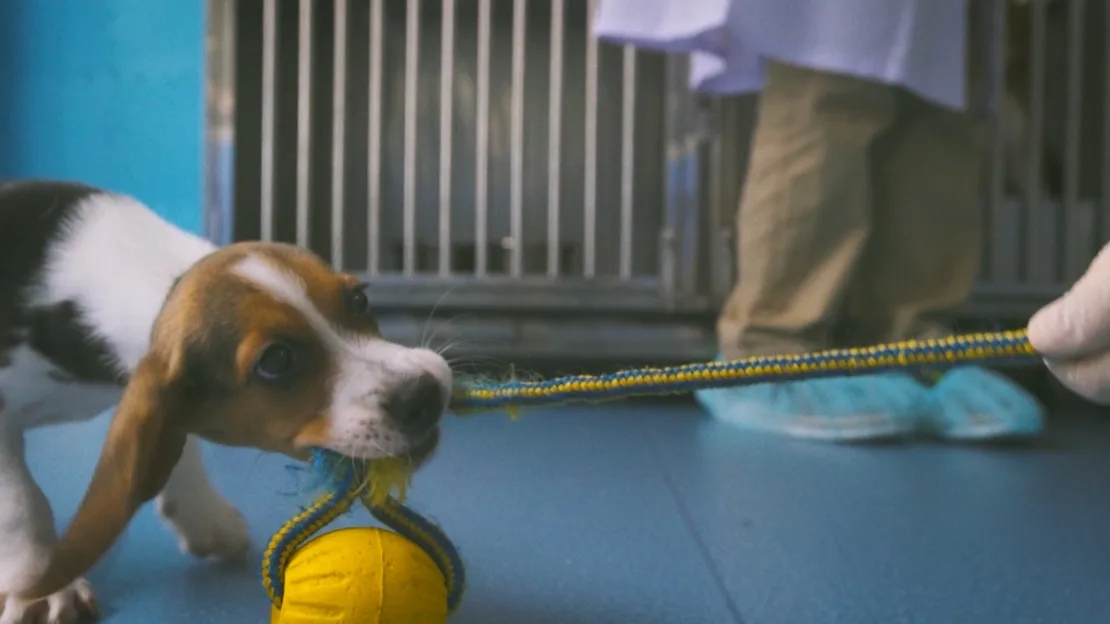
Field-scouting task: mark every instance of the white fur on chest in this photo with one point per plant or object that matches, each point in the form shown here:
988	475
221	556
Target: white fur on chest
36	393
116	263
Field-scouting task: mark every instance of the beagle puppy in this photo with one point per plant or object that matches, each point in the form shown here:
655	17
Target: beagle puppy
261	345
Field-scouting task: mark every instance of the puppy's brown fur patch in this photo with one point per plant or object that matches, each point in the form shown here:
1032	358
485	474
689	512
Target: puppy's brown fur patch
197	379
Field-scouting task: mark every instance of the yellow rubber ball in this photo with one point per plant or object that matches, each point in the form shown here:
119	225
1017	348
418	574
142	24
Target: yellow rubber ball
362	576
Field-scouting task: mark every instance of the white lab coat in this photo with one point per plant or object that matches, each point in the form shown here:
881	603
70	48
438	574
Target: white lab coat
917	44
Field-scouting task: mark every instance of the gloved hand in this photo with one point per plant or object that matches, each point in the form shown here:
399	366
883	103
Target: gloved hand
1073	333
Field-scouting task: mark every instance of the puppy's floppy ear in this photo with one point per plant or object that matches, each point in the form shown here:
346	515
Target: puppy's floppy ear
144	442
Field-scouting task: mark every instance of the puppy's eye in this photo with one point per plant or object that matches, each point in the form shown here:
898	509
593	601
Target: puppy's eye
276	362
358	301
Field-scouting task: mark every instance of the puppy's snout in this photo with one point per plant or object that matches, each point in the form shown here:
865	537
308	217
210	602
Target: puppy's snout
417	403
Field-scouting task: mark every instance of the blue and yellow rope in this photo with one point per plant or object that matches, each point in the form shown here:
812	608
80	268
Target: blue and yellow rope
431	539
349	480
348	483
981	347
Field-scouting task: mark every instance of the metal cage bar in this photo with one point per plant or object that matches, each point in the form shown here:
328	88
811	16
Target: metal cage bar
412	64
554	138
269	102
516	122
304	118
481	141
589	158
628	144
1002	260
534	168
374	139
447	78
1073	223
219	183
501	145
339	133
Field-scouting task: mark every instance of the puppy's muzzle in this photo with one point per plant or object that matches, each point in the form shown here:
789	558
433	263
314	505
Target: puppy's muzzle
417	405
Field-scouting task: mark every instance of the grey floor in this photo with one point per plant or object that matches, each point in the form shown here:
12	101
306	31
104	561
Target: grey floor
652	514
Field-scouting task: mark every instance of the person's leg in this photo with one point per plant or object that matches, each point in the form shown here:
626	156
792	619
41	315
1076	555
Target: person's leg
803	222
922	260
923	256
805	211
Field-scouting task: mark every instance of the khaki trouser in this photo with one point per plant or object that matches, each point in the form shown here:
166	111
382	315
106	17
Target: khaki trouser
861	203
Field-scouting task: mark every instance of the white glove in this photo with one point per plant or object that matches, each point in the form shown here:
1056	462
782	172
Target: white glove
1073	333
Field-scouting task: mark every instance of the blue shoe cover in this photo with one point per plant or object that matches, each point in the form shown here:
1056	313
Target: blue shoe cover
974	403
853	408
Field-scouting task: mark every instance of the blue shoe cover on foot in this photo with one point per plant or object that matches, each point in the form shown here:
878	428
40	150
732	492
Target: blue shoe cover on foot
854	408
974	403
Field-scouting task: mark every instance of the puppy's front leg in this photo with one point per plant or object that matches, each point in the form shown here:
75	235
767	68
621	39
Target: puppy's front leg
27	538
205	523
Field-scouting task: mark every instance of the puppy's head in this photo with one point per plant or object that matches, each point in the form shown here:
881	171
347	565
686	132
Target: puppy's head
267	347
258	345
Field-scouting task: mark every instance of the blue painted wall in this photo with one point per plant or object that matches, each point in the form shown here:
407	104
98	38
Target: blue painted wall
108	92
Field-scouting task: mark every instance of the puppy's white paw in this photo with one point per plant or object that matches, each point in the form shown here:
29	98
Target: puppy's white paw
209	527
75	603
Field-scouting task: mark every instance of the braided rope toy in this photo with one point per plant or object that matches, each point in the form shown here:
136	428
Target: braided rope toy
374	482
979	347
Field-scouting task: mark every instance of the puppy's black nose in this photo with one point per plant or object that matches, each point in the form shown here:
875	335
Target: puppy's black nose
417	404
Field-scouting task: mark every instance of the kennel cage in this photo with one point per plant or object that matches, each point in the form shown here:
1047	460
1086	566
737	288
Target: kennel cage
548	194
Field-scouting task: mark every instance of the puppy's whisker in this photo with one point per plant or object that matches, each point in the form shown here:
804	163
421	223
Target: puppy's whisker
451	344
466	359
477	366
446	323
457	341
475	360
387	454
424	335
448	346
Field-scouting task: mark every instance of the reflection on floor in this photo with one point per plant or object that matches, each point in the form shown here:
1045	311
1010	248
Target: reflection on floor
651	514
